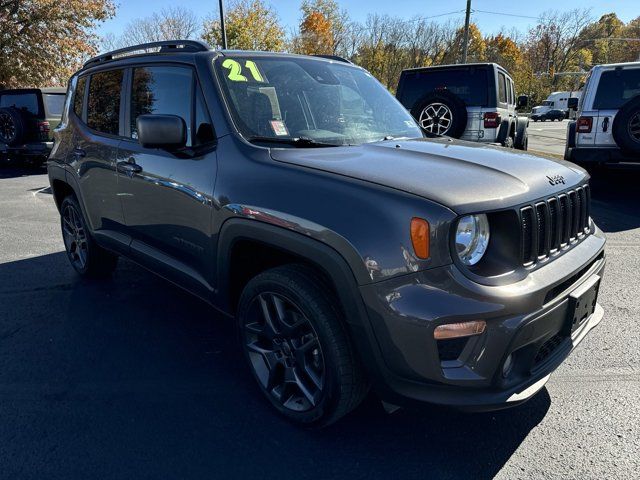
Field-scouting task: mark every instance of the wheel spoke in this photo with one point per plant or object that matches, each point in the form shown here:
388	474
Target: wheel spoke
269	329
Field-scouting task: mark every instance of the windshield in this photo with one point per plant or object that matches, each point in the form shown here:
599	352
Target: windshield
284	98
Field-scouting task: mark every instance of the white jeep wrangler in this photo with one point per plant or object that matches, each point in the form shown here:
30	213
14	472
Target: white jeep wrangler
607	128
473	101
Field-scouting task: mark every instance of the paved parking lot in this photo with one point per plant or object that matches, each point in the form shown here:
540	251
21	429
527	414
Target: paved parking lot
133	378
548	137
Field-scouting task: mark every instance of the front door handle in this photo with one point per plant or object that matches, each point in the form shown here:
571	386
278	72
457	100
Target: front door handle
129	167
79	153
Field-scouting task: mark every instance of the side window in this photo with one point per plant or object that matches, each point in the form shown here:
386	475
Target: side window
502	89
203	126
78	96
164	91
103	105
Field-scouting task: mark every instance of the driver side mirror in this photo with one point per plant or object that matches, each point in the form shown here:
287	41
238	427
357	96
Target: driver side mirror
572	103
161	131
523	101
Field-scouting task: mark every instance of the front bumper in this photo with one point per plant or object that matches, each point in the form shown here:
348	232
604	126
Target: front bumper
525	320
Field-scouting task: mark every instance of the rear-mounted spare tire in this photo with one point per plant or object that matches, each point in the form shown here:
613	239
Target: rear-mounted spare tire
626	126
442	113
12	127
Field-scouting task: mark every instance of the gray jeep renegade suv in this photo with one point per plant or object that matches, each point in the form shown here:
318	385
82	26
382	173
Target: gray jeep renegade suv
296	195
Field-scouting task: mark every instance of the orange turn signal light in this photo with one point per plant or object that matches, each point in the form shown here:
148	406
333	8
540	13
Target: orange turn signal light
457	330
420	237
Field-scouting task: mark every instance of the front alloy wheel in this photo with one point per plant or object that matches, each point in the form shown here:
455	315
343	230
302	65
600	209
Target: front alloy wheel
284	352
295	341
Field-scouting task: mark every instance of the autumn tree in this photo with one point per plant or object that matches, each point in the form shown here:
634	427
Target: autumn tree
168	24
477	46
250	25
43	42
324	29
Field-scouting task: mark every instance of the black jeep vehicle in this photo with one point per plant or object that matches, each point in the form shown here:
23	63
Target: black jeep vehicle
297	196
27	119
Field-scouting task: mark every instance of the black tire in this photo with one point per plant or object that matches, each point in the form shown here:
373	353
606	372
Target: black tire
302	312
12	126
436	123
626	126
504	137
521	140
85	255
571	140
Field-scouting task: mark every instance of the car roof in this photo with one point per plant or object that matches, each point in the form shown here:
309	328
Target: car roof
32	90
53	90
616	65
456	65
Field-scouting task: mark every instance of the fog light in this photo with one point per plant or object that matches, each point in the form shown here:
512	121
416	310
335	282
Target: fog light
457	330
508	365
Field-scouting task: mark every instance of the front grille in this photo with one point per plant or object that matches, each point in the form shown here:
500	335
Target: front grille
553	224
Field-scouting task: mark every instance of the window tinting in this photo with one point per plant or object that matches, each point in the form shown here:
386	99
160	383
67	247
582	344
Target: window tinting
27	102
502	89
78	96
470	84
103	106
162	91
616	88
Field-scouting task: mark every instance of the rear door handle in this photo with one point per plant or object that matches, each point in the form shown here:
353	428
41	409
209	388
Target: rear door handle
79	153
129	167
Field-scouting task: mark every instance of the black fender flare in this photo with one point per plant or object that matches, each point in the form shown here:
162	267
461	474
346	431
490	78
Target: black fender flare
332	262
345	268
58	173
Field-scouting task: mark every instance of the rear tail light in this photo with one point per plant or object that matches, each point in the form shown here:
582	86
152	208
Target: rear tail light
584	124
491	120
43	127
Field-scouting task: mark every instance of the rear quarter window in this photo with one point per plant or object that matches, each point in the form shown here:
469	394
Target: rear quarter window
78	96
470	84
617	87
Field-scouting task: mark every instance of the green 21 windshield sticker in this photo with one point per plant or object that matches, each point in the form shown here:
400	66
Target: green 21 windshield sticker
235	70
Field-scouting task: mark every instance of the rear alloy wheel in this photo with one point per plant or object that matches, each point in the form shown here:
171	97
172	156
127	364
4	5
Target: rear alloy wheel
86	256
297	348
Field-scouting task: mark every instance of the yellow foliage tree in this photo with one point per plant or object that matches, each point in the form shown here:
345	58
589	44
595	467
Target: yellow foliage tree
250	25
43	43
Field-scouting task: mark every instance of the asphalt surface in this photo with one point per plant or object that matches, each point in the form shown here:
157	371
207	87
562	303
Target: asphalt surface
548	137
133	378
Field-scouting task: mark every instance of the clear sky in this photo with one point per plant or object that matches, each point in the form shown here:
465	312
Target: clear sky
289	13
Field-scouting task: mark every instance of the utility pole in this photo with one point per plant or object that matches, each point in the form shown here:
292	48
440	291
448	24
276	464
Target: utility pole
466	33
223	30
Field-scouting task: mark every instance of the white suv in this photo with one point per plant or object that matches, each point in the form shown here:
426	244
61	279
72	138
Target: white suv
607	128
473	101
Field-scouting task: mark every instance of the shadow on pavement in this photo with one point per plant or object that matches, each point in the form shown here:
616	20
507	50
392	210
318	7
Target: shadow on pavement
133	378
616	197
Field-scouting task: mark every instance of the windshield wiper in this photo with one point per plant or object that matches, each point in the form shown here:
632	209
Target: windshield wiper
298	141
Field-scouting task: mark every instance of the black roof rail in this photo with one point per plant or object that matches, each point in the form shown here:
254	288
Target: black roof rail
333	57
161	47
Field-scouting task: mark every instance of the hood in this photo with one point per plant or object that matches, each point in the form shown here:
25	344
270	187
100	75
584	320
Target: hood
466	177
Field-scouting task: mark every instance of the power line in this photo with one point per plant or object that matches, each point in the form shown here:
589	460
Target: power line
505	14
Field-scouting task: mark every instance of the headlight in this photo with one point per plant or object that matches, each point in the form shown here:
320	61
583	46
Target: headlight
472	238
